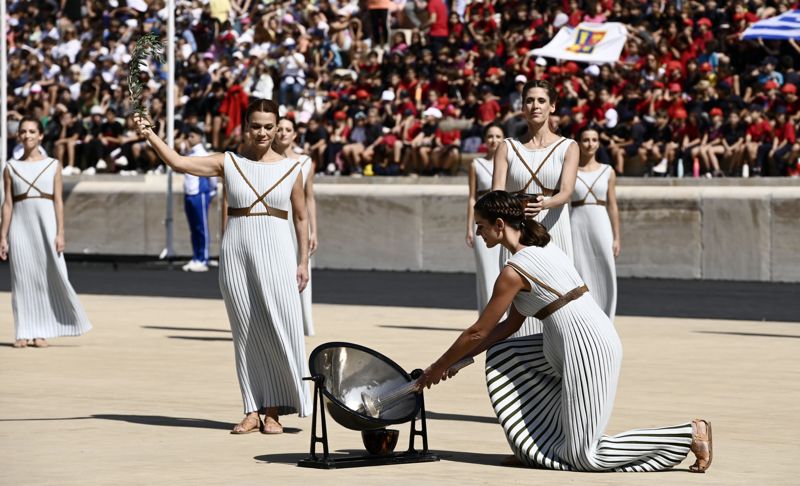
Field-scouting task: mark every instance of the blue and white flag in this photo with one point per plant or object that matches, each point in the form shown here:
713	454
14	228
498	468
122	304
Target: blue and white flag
783	27
588	42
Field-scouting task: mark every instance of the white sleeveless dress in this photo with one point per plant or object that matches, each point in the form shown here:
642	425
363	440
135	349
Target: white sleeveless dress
258	280
519	178
43	301
305	296
553	393
593	239
486	269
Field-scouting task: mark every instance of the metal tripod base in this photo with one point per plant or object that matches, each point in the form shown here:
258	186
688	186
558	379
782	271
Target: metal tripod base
326	461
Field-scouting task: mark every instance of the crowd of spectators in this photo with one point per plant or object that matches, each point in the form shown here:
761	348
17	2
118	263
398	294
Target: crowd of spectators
391	87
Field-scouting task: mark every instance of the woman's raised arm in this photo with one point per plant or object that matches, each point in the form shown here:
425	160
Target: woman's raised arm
202	166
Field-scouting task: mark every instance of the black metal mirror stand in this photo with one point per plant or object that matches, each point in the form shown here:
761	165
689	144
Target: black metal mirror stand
328	462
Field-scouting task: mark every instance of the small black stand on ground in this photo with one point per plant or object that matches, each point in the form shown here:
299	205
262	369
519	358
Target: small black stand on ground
327	462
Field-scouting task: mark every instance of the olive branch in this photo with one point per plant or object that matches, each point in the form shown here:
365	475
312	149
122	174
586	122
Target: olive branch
148	45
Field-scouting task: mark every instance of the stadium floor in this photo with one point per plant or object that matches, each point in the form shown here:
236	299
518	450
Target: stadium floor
703	299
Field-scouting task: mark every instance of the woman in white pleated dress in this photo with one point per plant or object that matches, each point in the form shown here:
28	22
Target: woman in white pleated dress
285	144
480	183
32	237
260	273
540	167
594	218
553	393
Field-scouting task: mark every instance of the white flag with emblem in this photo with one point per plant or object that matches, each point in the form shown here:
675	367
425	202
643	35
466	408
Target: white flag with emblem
588	42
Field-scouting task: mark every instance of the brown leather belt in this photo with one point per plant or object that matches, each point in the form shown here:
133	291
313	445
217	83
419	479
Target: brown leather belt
270	211
22	197
576	204
560	302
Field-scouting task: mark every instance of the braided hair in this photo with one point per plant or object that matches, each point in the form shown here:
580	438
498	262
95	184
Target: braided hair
503	205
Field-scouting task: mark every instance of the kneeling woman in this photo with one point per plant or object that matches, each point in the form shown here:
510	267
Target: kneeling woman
553	392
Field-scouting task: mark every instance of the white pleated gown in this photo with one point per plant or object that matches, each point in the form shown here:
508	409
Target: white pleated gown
553	393
258	280
305	295
556	220
593	240
43	301
486	269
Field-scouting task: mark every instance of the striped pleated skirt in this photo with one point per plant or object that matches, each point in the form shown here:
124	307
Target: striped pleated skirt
553	394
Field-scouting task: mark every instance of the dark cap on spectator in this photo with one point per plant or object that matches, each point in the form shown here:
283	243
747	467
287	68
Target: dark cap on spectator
769	60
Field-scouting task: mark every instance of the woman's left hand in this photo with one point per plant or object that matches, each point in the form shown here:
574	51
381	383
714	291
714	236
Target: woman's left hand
616	248
60	244
534	207
431	376
302	277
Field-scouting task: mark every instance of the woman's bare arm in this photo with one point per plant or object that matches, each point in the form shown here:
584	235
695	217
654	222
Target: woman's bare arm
300	220
5	223
613	212
58	205
481	334
473	196
202	166
311	207
500	168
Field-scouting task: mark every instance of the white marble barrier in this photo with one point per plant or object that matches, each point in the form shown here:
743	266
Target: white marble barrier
688	231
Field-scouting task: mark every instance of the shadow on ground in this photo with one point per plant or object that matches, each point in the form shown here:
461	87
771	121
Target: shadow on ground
460	417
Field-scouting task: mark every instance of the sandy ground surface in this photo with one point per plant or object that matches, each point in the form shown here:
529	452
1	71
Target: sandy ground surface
149	395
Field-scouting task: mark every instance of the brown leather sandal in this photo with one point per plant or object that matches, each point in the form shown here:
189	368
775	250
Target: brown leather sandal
701	443
271	426
249	424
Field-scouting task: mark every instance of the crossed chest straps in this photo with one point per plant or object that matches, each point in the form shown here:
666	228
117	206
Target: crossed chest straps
561	299
268	210
534	173
32	185
597	200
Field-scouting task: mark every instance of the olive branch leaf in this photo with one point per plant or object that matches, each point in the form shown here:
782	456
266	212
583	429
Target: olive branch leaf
147	46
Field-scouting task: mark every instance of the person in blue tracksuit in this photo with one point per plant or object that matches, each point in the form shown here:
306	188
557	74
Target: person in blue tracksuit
198	193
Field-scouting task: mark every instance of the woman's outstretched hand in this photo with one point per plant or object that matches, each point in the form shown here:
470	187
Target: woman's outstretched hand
3	249
431	376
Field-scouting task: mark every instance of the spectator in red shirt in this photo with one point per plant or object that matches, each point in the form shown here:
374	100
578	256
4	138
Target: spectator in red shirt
758	140
782	144
437	25
447	153
490	109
